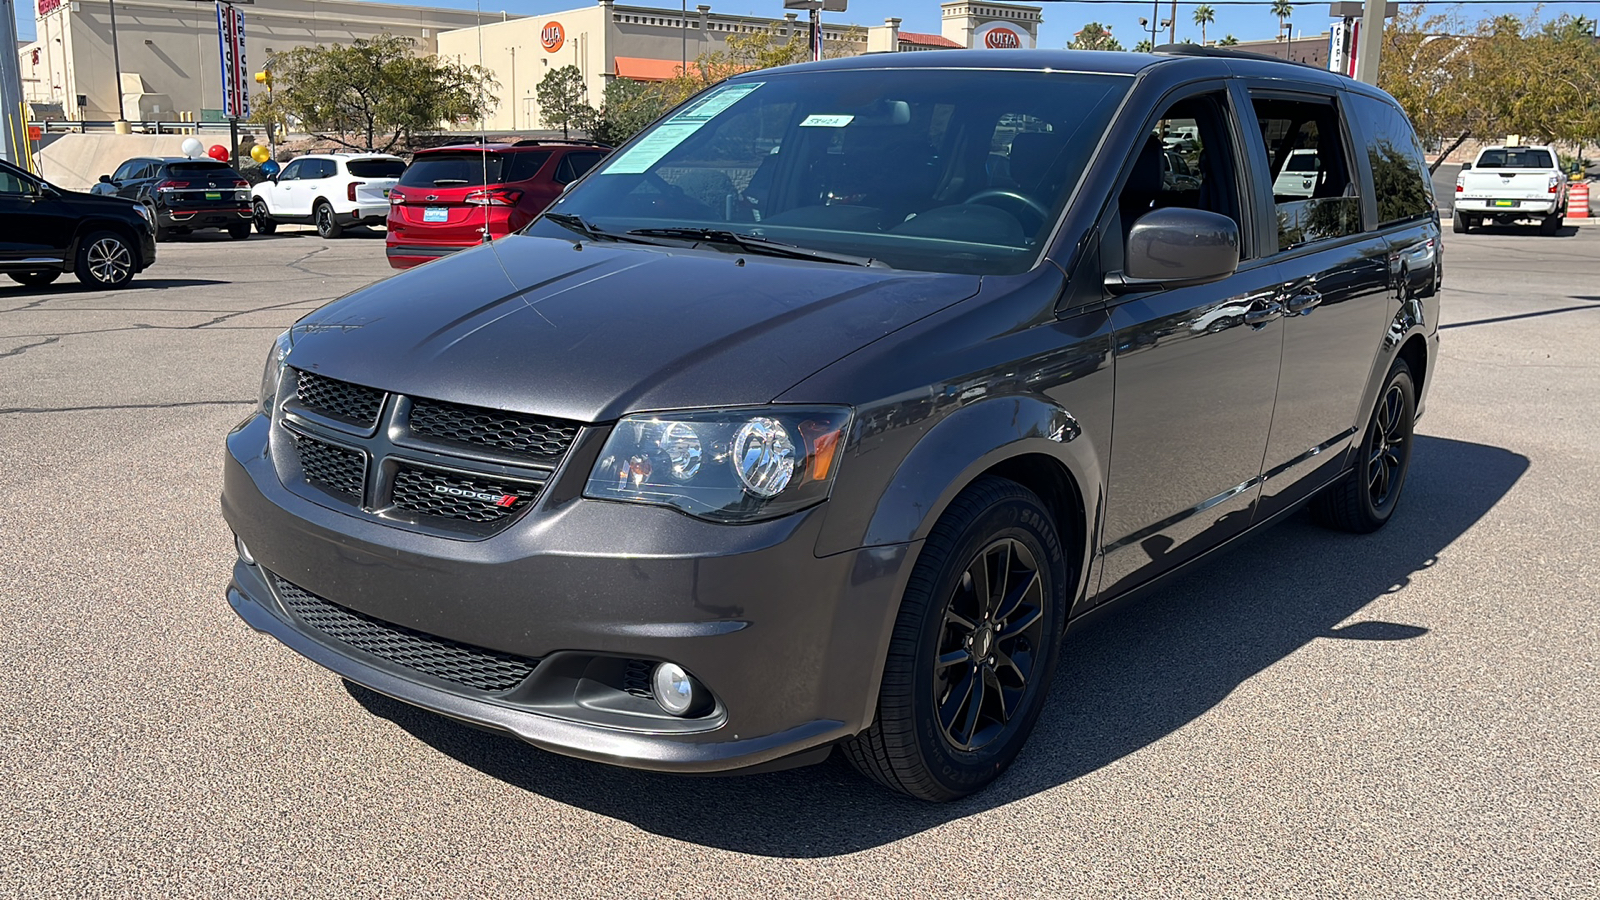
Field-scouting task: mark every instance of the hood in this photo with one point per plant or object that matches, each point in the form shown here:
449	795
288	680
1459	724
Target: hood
534	325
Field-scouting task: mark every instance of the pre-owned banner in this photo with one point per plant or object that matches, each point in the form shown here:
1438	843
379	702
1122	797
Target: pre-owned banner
235	83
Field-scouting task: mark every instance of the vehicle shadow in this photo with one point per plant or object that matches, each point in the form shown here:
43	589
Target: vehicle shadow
1130	676
69	285
351	232
1564	231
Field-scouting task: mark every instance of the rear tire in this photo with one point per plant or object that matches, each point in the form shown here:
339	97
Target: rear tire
240	231
1365	498
327	226
35	279
263	218
969	664
1458	223
1550	225
105	260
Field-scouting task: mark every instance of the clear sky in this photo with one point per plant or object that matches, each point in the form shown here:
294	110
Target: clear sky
1061	20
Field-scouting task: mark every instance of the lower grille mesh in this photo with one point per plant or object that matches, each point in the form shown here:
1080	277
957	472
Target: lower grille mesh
464	664
335	468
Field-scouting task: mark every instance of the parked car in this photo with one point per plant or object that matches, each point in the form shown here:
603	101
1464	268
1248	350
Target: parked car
451	198
1510	185
330	190
660	484
1298	177
45	231
183	195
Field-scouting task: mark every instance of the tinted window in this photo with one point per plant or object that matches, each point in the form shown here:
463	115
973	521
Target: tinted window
1317	199
574	165
200	169
375	168
10	184
896	165
1399	172
125	172
1186	161
524	165
1516	158
290	172
452	169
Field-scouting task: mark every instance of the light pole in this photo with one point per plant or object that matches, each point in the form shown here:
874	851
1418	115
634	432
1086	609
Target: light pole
116	63
1154	26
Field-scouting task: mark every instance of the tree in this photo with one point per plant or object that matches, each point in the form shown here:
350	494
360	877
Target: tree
1094	36
375	91
763	48
1228	40
1282	9
1144	46
1204	15
628	107
560	94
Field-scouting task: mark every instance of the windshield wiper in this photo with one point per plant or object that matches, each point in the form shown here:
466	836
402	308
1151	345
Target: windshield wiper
753	244
579	225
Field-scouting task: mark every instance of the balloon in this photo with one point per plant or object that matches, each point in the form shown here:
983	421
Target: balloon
260	154
269	168
218	153
193	149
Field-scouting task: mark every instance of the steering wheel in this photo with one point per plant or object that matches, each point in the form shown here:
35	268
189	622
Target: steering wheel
1033	205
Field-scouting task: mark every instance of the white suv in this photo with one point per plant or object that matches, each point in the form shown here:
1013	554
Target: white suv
329	190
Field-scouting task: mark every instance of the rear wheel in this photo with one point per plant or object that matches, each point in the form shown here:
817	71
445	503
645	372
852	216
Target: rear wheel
1550	225
105	260
155	221
1458	223
327	225
263	218
239	231
973	649
35	279
1365	498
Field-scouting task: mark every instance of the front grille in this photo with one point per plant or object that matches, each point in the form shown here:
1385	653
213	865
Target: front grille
535	437
332	467
464	664
339	400
447	495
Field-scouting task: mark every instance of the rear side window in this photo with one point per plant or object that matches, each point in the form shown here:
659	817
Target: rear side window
525	165
1516	158
453	169
1399	172
375	168
574	165
319	168
199	169
1316	199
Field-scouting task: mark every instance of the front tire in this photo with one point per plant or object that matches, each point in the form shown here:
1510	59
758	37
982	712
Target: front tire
974	647
105	260
35	279
1365	498
327	226
263	218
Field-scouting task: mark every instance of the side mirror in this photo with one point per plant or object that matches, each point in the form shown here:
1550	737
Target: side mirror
1466	167
1174	247
106	179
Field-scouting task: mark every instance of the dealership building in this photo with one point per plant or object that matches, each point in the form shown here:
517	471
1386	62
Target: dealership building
170	53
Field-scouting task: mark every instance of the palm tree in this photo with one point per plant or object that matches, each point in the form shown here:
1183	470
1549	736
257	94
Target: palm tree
1094	36
1144	46
1227	41
1282	9
1203	16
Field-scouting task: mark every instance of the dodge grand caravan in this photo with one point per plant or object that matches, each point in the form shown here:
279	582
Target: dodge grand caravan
801	424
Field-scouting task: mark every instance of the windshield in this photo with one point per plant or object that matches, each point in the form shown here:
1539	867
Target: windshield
1516	159
375	168
948	171
460	169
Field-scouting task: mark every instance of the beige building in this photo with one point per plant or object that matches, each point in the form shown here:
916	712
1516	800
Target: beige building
170	52
609	40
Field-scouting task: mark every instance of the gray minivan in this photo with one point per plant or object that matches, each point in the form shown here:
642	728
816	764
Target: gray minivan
817	413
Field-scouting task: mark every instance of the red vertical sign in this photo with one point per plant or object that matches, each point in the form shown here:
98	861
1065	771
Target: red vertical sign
230	43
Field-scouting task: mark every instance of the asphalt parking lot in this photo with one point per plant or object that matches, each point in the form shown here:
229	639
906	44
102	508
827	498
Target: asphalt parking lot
1407	714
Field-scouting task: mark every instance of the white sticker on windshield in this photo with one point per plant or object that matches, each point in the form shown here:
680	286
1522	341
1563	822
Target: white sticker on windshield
826	121
669	134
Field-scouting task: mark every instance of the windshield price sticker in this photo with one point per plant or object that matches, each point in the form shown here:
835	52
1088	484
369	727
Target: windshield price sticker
669	134
826	121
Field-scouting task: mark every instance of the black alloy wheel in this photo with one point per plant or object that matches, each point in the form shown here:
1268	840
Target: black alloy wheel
105	260
990	644
35	279
973	649
1365	499
263	219
327	226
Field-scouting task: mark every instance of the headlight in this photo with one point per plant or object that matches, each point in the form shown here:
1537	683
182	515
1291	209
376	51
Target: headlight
724	465
273	374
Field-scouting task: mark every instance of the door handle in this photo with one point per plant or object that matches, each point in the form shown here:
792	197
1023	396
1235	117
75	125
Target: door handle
1303	301
1264	315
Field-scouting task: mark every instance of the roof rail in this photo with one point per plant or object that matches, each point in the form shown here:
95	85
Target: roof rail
548	141
1223	53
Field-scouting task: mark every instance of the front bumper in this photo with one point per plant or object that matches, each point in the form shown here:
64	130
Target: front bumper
790	645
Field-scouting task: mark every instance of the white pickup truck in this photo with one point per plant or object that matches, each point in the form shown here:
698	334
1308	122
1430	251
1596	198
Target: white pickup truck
1511	184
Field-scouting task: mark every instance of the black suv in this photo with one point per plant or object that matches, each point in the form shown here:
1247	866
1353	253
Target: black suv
184	195
815	415
45	231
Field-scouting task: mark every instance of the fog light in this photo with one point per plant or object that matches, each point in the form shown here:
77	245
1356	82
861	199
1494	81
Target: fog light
673	689
244	552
